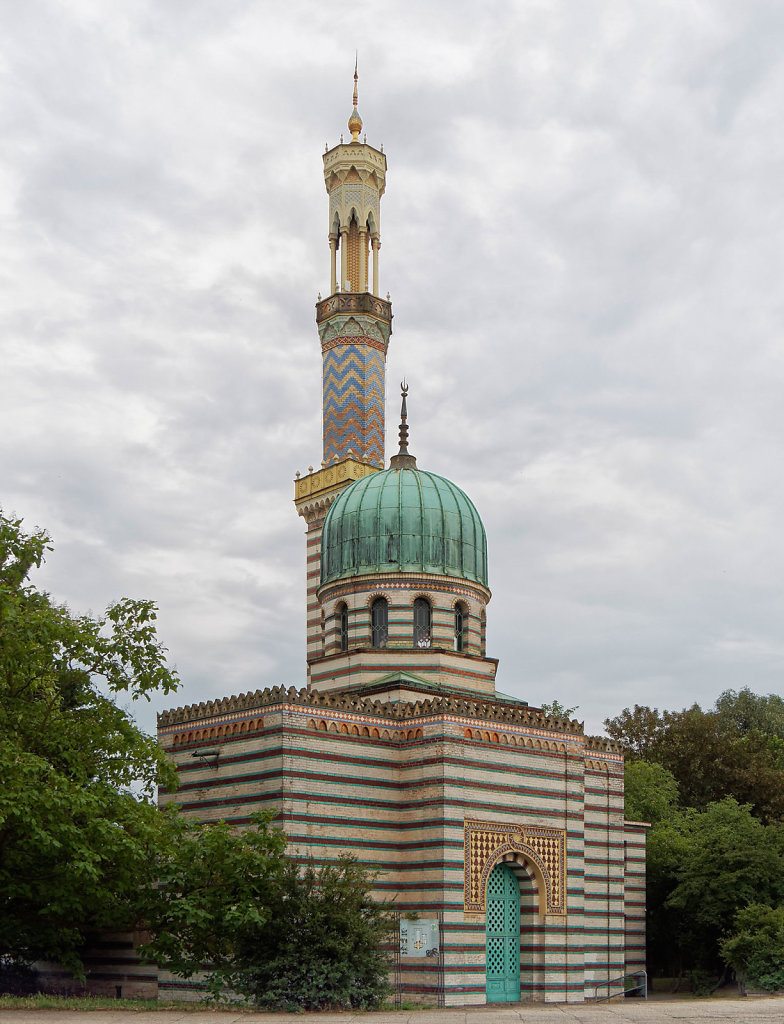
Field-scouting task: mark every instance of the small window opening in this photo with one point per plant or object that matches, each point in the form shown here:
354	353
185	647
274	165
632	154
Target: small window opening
343	627
422	622
460	627
379	622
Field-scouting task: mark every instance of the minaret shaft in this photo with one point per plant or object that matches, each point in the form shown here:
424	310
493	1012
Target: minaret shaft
354	331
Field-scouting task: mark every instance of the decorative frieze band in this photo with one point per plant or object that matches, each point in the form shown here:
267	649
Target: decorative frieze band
403	581
343	340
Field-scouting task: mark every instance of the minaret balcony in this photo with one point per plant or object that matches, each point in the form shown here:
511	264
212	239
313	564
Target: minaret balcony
353	302
346	155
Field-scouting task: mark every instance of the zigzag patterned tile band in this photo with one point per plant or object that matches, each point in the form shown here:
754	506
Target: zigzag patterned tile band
353	402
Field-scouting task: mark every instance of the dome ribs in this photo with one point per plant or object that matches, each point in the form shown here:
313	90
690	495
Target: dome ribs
403	520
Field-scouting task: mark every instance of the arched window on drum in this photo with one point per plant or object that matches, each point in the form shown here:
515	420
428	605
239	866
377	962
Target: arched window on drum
379	622
422	622
342	623
461	627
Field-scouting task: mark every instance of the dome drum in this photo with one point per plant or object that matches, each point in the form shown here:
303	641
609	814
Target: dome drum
419	616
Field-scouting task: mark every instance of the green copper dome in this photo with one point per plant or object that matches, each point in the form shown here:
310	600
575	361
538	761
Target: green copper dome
403	520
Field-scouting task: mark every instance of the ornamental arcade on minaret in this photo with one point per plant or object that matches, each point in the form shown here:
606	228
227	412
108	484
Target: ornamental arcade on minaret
497	829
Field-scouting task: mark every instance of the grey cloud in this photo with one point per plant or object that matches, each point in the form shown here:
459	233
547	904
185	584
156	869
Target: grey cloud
581	236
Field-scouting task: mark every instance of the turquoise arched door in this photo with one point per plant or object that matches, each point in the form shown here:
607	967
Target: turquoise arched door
502	943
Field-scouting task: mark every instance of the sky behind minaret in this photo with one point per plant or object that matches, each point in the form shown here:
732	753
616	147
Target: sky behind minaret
582	238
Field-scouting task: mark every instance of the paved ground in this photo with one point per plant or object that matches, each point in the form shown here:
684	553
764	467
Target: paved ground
625	1011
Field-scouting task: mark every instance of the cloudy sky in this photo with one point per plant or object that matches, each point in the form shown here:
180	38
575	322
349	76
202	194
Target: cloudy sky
582	237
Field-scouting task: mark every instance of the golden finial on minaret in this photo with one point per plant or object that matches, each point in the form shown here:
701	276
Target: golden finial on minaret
355	121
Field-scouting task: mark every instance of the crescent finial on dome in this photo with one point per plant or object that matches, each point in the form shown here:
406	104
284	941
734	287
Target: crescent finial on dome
404	459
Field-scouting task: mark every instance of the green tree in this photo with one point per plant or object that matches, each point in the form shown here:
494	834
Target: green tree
321	945
667	849
76	842
711	785
710	763
650	792
742	712
712	754
216	888
555	709
755	950
84	847
638	730
282	934
722	860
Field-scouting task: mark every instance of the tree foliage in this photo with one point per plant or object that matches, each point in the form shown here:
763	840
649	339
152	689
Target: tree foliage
84	847
732	750
281	934
755	950
650	792
555	709
727	860
216	888
711	783
745	712
638	729
75	841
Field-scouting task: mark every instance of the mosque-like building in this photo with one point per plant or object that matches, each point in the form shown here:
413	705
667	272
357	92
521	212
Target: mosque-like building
498	831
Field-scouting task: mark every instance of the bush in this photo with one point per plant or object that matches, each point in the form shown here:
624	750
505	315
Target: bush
322	945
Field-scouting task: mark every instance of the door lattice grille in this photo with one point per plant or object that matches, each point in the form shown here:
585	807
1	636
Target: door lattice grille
502	948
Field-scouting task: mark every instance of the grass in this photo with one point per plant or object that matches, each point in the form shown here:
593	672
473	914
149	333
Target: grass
46	1002
81	1003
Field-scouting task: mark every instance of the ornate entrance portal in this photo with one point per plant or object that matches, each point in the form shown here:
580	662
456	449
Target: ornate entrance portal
503	936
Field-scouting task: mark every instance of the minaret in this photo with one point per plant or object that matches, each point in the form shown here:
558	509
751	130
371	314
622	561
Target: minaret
354	323
354	326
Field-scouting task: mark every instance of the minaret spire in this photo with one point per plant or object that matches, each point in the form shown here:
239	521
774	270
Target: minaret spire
356	76
355	121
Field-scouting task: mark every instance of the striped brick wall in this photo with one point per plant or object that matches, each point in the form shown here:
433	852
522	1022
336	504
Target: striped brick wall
634	906
366	665
112	968
604	875
315	624
396	793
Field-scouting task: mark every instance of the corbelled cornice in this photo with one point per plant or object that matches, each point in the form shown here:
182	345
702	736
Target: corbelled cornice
354	302
351	703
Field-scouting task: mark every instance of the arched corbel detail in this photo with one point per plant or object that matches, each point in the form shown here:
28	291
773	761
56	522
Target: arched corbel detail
525	858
